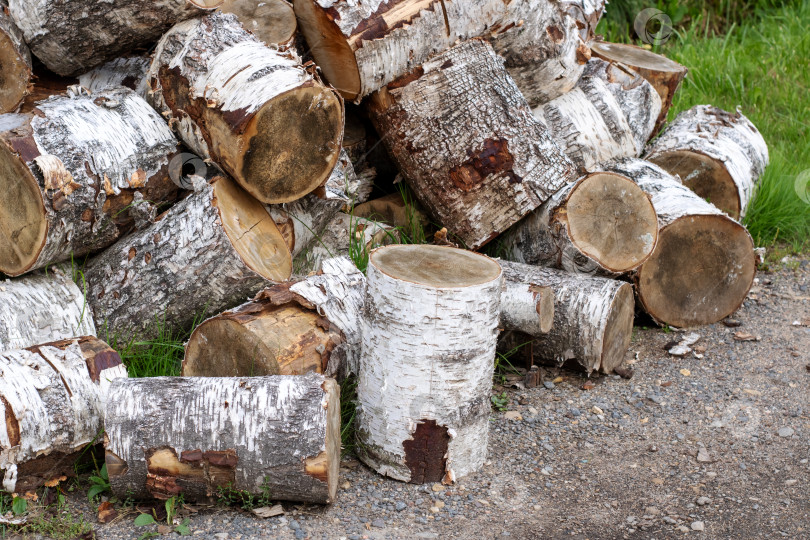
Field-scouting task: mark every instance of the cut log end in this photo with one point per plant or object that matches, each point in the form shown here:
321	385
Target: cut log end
329	465
23	226
272	21
618	330
632	55
273	169
206	4
435	266
252	232
612	220
699	273
15	75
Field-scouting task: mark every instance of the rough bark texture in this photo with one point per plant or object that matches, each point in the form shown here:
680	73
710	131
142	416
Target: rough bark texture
591	125
288	329
425	374
465	139
272	21
53	398
587	14
129	72
593	317
209	252
193	436
15	63
42	307
600	224
526	307
704	263
78	172
76	36
253	109
719	155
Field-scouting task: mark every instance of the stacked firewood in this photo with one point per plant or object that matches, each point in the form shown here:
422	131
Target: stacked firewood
213	161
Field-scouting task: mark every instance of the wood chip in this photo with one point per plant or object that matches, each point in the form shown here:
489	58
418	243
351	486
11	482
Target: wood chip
268	511
745	336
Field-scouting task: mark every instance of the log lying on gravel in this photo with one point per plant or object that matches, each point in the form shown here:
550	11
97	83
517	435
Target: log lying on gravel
593	317
664	74
191	436
253	109
272	21
288	329
129	72
42	307
719	155
73	37
53	397
15	63
527	307
601	224
78	172
425	373
704	264
209	252
465	139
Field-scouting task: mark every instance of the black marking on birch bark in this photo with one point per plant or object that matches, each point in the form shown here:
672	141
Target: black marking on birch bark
426	452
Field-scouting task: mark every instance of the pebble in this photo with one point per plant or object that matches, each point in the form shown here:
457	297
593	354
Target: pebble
437	488
785	432
293	525
697	526
703	501
221	536
400	506
513	415
548	384
683	529
380	524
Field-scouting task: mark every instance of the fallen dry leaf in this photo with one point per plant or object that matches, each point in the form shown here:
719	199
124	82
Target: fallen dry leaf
106	512
589	385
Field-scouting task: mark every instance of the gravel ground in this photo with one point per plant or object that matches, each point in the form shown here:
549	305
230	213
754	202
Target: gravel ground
712	447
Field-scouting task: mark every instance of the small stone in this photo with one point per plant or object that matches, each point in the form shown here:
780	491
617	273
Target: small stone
165	529
683	529
293	524
513	415
685	372
300	534
437	488
732	323
439	504
785	432
346	485
703	501
221	536
548	384
380	524
680	350
597	410
703	456
532	410
400	506
791	482
697	526
435	509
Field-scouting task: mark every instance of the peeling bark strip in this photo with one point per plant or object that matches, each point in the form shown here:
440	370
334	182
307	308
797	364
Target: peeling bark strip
42	307
168	436
52	397
272	21
593	317
465	139
428	346
129	72
78	172
15	63
288	329
587	14
73	37
255	110
209	252
601	224
719	155
704	264
609	114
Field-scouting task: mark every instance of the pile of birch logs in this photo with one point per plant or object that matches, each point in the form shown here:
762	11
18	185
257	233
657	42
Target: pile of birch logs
221	166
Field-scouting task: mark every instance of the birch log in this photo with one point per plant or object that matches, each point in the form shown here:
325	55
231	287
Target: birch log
129	72
53	397
191	436
719	155
255	110
465	139
704	263
663	74
288	329
587	13
526	307
42	307
428	349
77	173
15	63
209	252
73	37
593	317
272	21
602	224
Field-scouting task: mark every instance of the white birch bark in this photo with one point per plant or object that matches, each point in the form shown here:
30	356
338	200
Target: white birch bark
80	171
52	397
42	307
255	110
425	374
210	252
15	63
527	307
73	37
729	140
129	72
587	13
168	436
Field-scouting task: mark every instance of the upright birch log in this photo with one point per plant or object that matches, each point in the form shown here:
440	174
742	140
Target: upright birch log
601	224
53	398
129	71
191	436
15	63
73	37
719	155
704	263
41	307
465	139
78	172
209	252
428	349
593	317
288	329
272	21
253	109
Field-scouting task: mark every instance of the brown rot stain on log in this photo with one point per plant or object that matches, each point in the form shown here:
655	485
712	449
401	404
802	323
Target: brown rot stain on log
194	471
101	361
426	453
494	158
12	426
